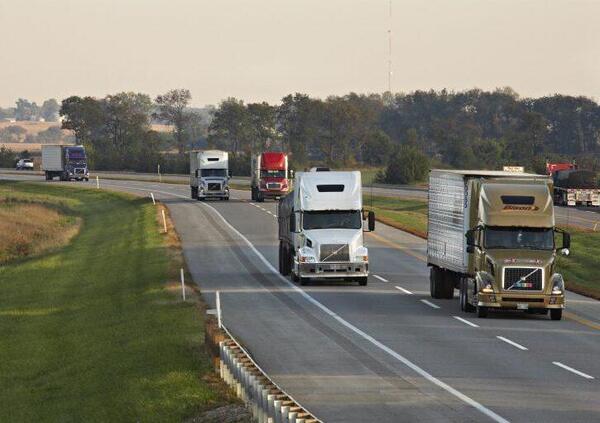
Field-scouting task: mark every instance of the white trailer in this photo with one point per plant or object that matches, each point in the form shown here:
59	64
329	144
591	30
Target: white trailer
321	225
209	174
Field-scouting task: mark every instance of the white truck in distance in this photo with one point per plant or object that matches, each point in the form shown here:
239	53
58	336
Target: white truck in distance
209	174
321	225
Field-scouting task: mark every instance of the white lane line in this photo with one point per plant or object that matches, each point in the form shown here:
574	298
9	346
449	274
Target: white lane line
424	373
380	278
465	321
513	343
572	370
430	304
406	291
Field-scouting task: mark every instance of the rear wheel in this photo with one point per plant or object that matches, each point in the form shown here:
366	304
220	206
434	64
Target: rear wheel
48	176
448	282
194	193
362	281
441	283
259	197
556	313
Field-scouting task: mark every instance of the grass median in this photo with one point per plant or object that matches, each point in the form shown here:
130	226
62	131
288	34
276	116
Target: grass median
92	331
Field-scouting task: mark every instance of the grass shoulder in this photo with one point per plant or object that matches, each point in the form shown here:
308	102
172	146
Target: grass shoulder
95	331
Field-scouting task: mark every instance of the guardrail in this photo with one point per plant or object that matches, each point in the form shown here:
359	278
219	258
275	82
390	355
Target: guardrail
267	402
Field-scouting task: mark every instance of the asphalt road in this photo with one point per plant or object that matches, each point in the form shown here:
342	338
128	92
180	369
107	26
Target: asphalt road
386	352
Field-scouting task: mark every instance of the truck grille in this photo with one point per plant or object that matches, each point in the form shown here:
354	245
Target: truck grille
335	252
214	186
273	185
79	171
513	278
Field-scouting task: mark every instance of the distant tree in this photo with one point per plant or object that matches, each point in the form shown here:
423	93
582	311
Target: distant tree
49	110
377	149
85	116
26	110
172	108
407	165
7	157
261	131
49	136
298	123
230	128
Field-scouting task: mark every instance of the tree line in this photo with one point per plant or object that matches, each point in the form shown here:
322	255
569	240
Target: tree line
404	133
26	110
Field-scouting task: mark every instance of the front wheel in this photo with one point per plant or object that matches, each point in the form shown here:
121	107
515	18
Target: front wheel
362	281
556	313
304	281
465	305
482	312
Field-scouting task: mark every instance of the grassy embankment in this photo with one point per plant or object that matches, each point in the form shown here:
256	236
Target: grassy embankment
96	330
579	268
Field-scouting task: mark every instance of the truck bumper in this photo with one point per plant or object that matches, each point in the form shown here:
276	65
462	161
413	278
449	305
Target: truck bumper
213	194
521	301
333	270
273	194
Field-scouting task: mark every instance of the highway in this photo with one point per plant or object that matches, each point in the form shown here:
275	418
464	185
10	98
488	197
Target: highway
386	352
582	217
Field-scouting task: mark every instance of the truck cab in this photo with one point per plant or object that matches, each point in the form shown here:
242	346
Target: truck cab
209	174
321	225
270	175
493	236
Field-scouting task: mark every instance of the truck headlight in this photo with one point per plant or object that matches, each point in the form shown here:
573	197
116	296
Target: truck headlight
485	282
558	284
307	255
361	254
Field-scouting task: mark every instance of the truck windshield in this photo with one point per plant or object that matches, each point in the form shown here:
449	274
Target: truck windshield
76	153
221	173
332	219
272	173
519	238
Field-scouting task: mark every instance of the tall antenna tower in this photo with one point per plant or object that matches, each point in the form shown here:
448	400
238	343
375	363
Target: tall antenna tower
390	48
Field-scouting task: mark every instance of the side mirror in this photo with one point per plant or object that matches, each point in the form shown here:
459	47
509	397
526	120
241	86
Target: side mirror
291	174
371	221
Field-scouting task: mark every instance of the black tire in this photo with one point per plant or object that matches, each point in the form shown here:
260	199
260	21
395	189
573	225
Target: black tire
304	281
448	282
362	281
226	199
433	282
556	313
259	197
482	312
253	194
280	256
48	177
194	193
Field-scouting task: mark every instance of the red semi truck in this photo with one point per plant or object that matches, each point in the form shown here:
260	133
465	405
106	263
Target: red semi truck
573	186
270	175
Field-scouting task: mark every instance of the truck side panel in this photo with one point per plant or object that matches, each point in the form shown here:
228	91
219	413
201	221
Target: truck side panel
52	158
446	242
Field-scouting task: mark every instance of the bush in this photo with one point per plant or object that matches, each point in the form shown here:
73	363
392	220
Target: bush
407	165
7	157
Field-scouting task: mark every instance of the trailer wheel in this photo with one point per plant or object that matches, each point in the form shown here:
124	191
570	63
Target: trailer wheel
434	282
556	313
448	280
482	312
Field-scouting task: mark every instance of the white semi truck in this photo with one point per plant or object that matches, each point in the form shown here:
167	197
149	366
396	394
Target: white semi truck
65	161
321	225
209	174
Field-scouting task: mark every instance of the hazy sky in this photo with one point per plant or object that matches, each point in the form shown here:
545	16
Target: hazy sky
265	49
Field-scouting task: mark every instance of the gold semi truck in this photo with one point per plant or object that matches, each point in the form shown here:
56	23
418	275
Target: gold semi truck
492	236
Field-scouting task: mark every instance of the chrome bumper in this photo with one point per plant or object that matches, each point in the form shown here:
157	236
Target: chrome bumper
333	270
